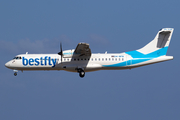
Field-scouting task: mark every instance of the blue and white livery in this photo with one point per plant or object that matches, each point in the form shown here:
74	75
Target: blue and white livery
81	59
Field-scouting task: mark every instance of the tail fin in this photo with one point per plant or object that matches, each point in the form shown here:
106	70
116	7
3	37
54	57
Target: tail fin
160	43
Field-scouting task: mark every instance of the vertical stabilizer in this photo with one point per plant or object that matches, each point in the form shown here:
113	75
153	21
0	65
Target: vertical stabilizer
160	42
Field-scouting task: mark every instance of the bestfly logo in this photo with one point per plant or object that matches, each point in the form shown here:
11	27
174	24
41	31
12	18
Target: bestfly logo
39	61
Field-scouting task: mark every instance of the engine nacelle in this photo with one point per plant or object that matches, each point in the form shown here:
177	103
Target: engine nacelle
68	53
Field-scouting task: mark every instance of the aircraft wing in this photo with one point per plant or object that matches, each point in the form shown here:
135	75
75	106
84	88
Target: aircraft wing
83	49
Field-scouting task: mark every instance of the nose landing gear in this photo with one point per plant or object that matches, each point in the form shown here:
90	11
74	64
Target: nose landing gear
15	72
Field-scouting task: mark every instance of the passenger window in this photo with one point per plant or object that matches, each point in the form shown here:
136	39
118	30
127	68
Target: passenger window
92	59
109	59
102	59
112	59
74	59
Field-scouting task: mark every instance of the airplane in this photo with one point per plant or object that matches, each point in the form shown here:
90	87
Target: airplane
81	59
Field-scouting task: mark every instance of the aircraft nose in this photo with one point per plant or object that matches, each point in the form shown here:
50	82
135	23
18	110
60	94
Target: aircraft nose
7	64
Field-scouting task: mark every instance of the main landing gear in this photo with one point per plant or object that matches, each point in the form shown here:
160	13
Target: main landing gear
81	72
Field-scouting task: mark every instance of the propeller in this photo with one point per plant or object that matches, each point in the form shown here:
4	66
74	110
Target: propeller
61	52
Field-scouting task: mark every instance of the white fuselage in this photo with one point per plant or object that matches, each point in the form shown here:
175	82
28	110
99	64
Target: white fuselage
92	63
53	62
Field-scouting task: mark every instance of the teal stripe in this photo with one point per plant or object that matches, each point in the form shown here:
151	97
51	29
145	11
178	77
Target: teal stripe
140	57
157	53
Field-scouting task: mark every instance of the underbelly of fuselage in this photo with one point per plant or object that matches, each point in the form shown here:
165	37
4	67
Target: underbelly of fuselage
70	69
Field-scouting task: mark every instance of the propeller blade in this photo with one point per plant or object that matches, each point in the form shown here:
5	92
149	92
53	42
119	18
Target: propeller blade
61	51
61	47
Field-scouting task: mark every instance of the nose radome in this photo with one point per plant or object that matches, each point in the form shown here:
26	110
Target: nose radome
7	64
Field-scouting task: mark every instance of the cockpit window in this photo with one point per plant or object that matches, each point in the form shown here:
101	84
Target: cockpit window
17	57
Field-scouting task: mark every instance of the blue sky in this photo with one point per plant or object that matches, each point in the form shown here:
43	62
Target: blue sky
149	92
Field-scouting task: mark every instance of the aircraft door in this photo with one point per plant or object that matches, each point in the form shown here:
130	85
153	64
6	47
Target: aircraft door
128	60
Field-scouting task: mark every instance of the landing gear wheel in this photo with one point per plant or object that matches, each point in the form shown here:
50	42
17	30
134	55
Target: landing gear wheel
15	74
82	74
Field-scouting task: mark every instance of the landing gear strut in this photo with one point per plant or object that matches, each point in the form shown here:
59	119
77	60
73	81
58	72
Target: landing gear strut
81	72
